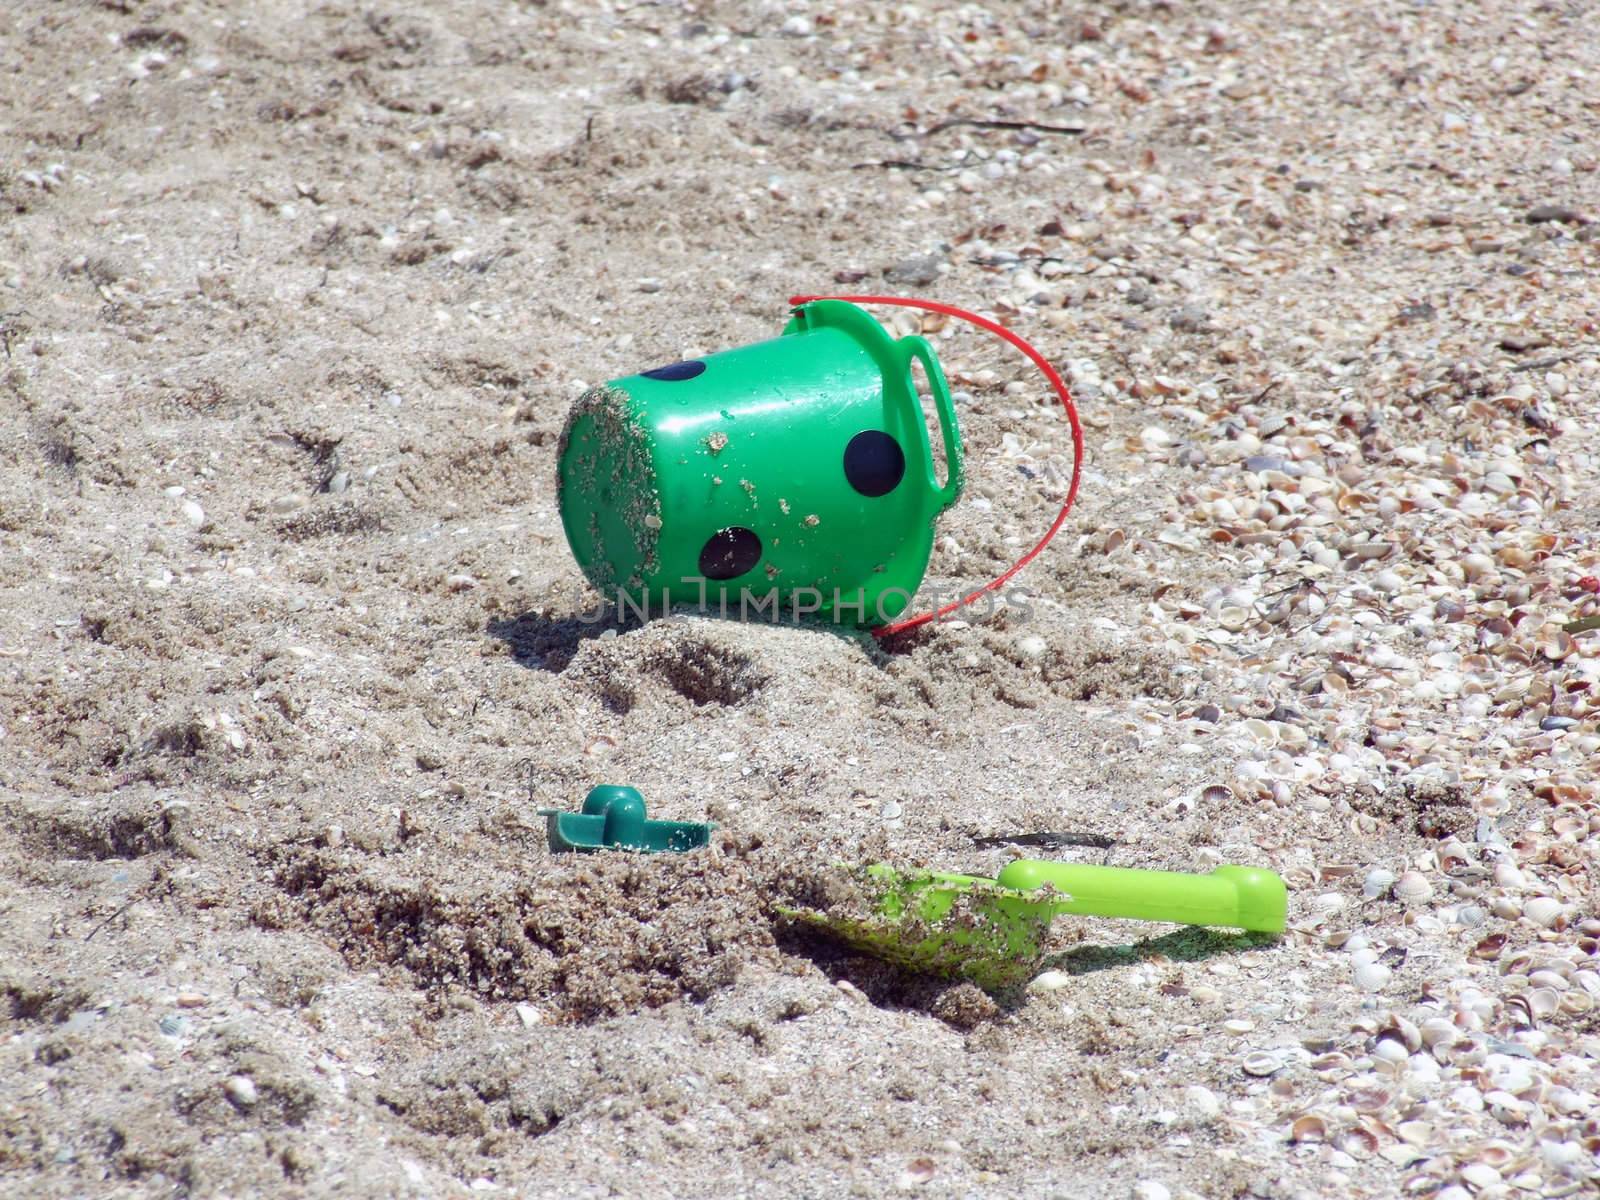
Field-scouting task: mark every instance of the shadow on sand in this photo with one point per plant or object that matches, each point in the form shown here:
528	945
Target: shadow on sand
890	986
549	643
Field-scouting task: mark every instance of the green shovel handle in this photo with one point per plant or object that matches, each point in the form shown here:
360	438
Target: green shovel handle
1250	898
916	349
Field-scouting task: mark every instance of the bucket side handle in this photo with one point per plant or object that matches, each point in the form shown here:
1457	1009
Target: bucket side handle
1067	407
916	349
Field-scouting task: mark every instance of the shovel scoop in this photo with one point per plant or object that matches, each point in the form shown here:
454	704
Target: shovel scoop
993	931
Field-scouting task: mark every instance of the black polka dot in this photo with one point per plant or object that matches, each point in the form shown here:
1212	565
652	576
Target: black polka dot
676	371
729	552
874	463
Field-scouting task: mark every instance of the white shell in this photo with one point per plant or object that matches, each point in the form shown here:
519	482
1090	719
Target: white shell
1372	977
1390	1051
1262	1062
1544	911
241	1090
1378	881
1413	886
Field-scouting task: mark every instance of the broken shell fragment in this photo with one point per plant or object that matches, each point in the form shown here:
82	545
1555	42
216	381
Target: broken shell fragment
1309	1128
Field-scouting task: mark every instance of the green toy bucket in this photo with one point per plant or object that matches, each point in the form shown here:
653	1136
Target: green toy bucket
793	476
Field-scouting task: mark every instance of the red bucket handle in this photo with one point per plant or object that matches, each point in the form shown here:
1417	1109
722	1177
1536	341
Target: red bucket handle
1071	409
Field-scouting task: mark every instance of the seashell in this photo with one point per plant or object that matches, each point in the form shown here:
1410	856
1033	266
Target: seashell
1234	618
1517	964
1352	501
1216	794
918	1171
1262	1063
1576	1003
1414	1133
1329	903
1390	1051
1511	1075
1371	1099
1357	1142
1309	1128
1489	948
1556	644
1464	1053
1400	1030
1505	1108
1496	1154
1543	1002
1563	1157
241	1091
1153	437
1435	1030
1378	1126
1372	977
1550	977
1377	883
1032	646
1298	878
1264	732
1203	1100
1544	911
1413	887
1479	1174
1565	1100
1568	826
1452	855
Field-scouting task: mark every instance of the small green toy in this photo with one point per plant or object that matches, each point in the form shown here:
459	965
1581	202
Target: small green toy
613	818
793	476
992	931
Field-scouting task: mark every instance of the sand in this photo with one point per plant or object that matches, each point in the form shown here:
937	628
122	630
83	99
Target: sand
294	302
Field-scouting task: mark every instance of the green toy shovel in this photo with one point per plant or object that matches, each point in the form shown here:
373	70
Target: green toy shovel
992	931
